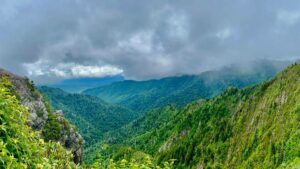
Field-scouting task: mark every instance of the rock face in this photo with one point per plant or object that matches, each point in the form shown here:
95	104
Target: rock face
70	137
39	113
30	98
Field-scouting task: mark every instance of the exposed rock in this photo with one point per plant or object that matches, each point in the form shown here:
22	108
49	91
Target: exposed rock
30	98
70	137
184	133
281	99
200	166
167	144
38	114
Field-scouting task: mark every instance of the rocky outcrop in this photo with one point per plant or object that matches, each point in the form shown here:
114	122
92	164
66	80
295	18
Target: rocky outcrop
39	113
30	98
70	137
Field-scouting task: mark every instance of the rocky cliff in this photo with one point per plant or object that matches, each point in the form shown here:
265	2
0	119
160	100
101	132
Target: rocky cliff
52	126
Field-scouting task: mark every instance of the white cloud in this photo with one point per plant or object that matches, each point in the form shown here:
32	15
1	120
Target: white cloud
59	73
288	17
141	42
224	34
95	71
35	69
178	26
70	70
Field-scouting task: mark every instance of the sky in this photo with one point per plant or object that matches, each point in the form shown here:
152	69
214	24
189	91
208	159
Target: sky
50	40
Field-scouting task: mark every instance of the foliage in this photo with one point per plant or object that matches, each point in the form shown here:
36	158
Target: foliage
20	146
31	86
130	160
136	134
132	164
53	129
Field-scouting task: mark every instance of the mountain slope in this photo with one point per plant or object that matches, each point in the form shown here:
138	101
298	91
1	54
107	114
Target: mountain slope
256	127
135	134
90	114
142	96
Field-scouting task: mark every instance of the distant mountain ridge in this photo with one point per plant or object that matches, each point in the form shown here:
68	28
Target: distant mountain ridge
78	85
142	96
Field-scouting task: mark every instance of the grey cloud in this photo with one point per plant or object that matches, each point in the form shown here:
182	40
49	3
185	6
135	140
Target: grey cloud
146	39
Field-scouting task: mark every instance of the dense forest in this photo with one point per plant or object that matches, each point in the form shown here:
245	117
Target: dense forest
91	115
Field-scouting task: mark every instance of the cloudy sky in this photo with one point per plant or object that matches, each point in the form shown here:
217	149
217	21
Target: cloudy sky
49	40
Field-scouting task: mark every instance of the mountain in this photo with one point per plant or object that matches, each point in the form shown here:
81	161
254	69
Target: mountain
78	85
255	127
91	115
31	134
142	96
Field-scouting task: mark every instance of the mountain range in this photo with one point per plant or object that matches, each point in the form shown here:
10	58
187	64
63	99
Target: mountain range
232	118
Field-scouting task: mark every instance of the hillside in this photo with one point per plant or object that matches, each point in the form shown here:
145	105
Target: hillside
256	127
133	134
142	96
91	115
